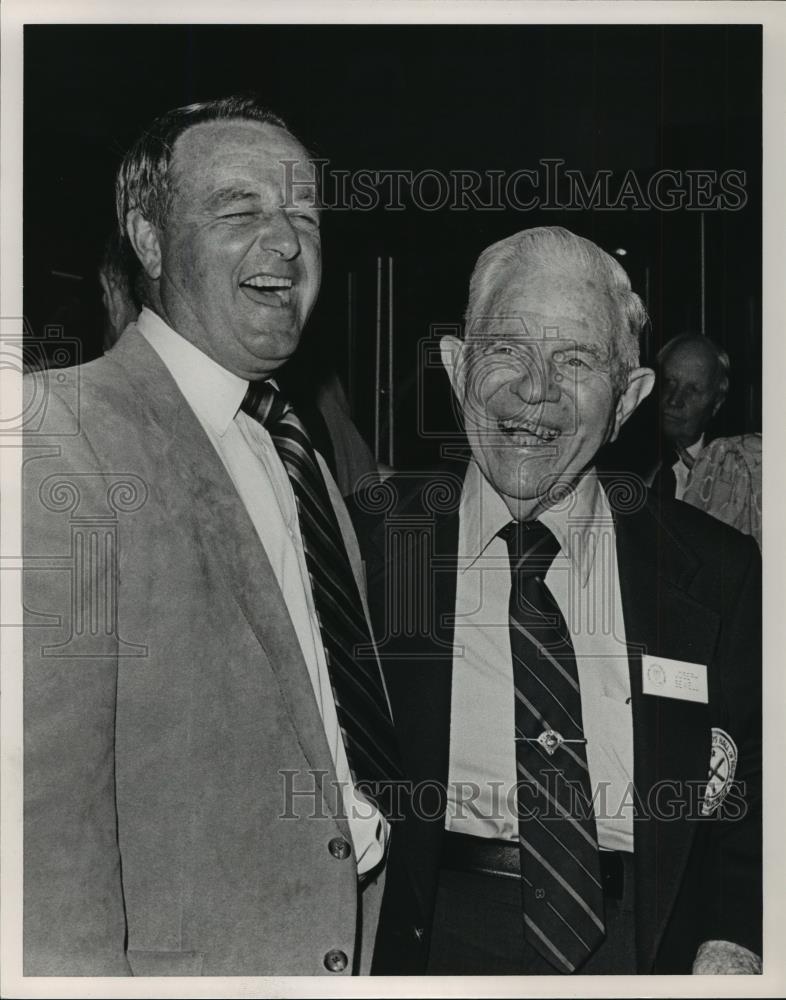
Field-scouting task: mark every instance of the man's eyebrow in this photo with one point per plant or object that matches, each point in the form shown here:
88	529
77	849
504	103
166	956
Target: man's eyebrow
601	354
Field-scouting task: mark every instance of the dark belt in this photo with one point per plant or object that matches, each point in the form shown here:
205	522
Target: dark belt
484	856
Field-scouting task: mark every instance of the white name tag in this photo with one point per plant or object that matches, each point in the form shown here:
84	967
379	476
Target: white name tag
674	678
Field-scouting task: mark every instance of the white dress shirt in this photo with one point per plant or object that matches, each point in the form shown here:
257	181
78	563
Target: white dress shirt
584	581
682	471
253	465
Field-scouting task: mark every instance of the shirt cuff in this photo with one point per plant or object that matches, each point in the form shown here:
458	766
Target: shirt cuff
724	958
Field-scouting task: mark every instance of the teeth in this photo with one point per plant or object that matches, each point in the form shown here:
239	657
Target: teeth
527	428
267	281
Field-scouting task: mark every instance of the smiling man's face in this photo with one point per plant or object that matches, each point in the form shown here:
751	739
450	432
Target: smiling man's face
240	251
535	379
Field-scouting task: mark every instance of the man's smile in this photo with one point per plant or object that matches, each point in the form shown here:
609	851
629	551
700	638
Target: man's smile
268	289
527	433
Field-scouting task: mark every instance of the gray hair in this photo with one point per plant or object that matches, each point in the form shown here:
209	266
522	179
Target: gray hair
544	245
723	365
143	177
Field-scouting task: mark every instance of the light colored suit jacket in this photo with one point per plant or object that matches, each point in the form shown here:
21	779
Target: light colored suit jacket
168	709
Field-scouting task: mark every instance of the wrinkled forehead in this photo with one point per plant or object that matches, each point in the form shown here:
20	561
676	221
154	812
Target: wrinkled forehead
235	150
691	362
542	304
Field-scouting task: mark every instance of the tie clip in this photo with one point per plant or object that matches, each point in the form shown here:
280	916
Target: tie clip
549	739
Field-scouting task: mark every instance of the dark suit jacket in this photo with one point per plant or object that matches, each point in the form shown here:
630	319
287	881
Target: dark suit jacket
690	589
167	705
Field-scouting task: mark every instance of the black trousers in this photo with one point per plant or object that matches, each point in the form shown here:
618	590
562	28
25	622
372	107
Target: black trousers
478	930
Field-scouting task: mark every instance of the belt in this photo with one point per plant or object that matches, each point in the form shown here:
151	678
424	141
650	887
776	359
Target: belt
464	853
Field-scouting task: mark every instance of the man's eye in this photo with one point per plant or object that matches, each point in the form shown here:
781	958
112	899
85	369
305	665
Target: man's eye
570	360
238	215
508	350
306	219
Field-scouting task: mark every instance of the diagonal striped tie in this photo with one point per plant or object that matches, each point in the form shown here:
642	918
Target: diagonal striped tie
355	677
560	864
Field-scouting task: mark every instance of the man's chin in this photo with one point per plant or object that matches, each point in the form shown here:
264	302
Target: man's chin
542	487
273	347
529	489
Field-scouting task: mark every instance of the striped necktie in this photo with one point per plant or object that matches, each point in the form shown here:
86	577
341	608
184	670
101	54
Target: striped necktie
560	864
355	677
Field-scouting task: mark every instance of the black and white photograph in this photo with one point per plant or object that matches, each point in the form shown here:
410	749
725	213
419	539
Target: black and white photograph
385	400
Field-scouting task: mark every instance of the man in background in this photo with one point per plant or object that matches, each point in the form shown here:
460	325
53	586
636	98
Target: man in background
721	476
693	380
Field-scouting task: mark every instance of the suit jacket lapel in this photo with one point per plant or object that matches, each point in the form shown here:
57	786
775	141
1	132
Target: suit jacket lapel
230	539
671	736
413	609
442	571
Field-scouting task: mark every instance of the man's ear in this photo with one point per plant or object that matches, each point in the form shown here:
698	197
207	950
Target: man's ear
144	239
453	359
640	384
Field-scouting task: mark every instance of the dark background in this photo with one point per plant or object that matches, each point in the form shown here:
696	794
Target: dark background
419	97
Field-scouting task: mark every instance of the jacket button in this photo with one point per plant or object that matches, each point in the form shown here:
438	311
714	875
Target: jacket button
339	848
336	960
418	932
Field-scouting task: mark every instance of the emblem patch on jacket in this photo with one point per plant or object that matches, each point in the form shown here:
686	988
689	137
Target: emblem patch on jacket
723	764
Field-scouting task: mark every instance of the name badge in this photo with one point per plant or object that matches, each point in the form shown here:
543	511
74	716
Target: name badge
674	678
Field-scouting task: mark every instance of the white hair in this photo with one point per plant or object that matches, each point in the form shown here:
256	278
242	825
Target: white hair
557	247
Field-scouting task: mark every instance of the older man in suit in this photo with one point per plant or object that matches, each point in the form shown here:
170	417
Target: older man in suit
206	725
693	383
721	475
568	659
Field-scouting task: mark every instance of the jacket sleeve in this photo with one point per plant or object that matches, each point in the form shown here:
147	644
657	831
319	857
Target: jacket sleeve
74	920
732	871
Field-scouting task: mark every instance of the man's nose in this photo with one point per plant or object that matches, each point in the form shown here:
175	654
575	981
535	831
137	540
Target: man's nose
675	397
537	381
280	236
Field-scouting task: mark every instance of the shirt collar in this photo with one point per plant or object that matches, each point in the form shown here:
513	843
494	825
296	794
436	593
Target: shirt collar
694	449
575	523
687	456
212	392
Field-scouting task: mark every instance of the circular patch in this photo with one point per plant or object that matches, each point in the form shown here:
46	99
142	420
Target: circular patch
656	674
723	764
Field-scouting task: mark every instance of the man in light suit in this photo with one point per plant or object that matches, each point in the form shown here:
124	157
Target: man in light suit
196	799
567	658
